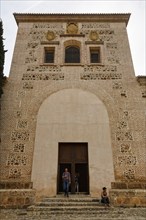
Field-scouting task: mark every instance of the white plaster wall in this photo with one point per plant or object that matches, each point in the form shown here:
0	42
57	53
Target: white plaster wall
72	115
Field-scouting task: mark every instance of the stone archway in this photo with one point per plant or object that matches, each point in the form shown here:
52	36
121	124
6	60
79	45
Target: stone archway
72	115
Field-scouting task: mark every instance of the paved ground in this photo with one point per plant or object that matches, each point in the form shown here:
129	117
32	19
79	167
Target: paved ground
103	214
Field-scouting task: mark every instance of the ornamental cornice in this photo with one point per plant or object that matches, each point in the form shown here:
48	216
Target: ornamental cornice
36	17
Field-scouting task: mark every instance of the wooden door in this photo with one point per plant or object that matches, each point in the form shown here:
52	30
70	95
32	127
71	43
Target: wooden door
74	156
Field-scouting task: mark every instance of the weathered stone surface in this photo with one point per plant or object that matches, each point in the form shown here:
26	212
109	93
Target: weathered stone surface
44	104
16	198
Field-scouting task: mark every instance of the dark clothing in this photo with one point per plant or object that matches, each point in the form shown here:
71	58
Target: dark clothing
105	200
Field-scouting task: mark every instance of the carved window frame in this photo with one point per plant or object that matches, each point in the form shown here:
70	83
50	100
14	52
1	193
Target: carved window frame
95	51
72	43
52	51
98	47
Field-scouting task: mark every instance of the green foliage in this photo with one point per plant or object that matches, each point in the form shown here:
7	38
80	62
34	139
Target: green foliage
2	59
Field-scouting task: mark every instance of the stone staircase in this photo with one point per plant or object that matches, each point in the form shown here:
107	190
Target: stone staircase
76	208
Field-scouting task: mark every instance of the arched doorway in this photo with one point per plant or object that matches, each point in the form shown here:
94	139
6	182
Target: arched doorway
72	116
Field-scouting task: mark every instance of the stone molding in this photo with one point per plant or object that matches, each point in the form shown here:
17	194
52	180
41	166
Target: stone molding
37	17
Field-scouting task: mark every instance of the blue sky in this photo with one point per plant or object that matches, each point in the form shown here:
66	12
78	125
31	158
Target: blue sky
135	28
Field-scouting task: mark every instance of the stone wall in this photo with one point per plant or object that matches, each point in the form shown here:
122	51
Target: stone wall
113	81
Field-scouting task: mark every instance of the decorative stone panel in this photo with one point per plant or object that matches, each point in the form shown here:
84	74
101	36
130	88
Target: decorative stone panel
20	135
27	85
22	124
127	160
129	174
16	159
39	76
43	69
19	148
15	173
124	136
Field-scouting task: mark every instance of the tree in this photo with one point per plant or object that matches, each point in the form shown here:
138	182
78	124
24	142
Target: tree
2	59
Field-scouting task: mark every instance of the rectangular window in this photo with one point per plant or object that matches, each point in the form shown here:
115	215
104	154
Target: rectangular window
94	55
49	55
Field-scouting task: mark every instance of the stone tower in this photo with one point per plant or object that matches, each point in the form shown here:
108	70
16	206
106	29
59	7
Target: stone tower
72	100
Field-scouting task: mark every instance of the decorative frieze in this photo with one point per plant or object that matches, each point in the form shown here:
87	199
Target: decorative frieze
47	26
100	76
95	25
102	69
39	76
43	68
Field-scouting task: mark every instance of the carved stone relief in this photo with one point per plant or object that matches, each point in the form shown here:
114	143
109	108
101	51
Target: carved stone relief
117	85
127	160
16	159
72	28
125	148
15	173
22	124
19	148
20	136
129	174
124	136
39	76
94	25
38	68
27	85
50	35
122	125
100	76
100	72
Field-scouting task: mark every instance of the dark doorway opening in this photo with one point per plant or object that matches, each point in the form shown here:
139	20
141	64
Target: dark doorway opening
74	156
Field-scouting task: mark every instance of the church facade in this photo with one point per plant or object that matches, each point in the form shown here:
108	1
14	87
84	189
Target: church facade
72	101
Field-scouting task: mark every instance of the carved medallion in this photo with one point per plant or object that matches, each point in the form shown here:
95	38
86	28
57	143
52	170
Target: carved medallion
72	28
93	35
50	35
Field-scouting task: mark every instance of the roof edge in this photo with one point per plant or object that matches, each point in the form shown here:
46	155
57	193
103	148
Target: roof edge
82	17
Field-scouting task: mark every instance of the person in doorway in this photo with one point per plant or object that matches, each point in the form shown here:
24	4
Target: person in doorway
66	178
104	197
77	182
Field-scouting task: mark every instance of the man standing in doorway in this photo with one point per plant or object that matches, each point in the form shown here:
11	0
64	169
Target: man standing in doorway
66	178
